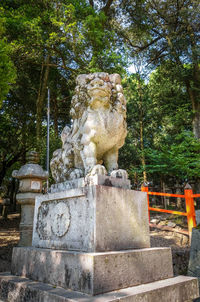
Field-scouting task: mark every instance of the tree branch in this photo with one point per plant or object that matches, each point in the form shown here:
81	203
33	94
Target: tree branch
62	66
8	163
160	54
91	3
107	6
141	48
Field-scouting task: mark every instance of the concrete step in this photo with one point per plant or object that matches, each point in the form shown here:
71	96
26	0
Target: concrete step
177	289
93	273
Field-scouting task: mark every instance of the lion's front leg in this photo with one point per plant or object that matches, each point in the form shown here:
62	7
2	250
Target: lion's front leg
110	160
88	155
90	161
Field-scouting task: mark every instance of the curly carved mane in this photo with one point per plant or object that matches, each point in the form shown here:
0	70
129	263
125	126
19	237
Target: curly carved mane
80	101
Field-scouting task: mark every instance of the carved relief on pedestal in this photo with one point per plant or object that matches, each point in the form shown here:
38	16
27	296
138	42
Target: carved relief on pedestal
53	220
60	223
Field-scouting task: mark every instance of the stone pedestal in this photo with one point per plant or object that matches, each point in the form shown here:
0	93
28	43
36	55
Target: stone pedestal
91	243
92	219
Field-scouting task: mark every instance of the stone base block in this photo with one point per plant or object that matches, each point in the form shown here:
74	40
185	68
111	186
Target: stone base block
178	289
93	273
102	180
194	261
193	267
92	219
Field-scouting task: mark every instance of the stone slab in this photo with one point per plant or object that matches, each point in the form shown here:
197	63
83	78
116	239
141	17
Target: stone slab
93	273
98	179
178	289
194	261
197	214
92	219
27	198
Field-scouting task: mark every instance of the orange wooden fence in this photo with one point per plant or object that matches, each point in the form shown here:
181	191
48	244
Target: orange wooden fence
189	202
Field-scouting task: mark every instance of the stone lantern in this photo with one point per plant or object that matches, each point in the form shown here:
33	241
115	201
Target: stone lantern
30	178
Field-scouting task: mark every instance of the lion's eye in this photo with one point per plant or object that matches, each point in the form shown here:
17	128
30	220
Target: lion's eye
97	82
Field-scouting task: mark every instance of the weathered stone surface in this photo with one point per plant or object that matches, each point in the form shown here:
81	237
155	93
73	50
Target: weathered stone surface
194	262
27	201
30	171
92	219
197	213
178	289
171	224
93	273
102	180
26	225
27	198
91	145
31	177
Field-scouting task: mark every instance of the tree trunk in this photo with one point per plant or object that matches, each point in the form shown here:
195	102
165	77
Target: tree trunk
143	160
2	172
55	114
135	179
165	198
196	112
194	95
179	200
196	122
40	101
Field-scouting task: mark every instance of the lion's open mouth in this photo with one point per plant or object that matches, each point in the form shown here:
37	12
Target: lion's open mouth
99	91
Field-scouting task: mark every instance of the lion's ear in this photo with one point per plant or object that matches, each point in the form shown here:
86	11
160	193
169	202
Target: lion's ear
81	79
115	78
107	79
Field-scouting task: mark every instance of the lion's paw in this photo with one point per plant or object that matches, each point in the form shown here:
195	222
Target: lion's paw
98	169
119	174
76	173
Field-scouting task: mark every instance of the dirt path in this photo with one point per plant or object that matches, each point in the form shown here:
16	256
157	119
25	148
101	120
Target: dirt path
9	237
180	251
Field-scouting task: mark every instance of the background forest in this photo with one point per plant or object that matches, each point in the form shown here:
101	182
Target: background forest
47	43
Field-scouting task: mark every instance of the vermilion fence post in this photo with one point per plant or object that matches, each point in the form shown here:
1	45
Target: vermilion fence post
189	202
145	188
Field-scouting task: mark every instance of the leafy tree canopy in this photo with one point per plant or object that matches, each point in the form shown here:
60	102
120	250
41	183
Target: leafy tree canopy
7	70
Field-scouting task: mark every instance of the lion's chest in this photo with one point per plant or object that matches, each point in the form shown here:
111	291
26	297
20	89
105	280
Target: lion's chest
107	128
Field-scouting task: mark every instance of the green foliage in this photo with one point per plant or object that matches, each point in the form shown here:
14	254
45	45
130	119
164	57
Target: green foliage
171	105
94	30
71	31
167	31
78	37
162	111
7	70
173	152
132	155
178	158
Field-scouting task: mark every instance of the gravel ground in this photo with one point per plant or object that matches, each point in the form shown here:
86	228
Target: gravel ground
9	237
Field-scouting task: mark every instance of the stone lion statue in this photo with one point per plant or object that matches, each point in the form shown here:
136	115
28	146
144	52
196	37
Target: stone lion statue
91	145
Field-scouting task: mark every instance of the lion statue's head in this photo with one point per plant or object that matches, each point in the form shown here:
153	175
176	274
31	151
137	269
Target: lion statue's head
96	90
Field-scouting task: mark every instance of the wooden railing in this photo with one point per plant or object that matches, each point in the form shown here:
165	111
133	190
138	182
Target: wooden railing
189	204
